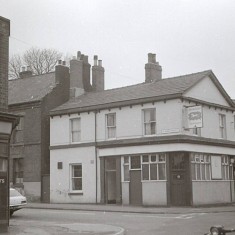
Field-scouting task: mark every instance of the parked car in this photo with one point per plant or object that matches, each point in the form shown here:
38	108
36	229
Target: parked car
17	201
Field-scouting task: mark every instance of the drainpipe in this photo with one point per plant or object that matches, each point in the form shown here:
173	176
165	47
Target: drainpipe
96	171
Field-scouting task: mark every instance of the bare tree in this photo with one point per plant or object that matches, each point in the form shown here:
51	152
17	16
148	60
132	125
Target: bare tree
40	61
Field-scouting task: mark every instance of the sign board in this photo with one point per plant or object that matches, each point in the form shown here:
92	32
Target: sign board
216	169
193	117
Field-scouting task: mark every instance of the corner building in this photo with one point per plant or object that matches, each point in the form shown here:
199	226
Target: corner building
164	142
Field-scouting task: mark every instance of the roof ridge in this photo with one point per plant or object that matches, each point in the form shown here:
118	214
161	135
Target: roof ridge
33	76
189	74
143	83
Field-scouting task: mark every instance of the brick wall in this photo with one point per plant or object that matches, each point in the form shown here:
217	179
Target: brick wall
4	57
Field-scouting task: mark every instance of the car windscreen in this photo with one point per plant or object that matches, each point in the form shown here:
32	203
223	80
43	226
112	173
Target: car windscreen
14	193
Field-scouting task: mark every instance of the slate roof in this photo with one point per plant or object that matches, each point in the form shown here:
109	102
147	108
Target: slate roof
30	89
163	88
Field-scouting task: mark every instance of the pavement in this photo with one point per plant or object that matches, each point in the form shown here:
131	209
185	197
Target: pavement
17	228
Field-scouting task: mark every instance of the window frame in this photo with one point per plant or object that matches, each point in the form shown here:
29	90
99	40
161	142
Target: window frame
151	163
201	163
222	126
145	123
75	131
72	165
113	127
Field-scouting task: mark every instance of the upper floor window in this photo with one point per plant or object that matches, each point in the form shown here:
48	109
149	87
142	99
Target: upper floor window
20	126
76	177
111	125
222	126
75	129
149	121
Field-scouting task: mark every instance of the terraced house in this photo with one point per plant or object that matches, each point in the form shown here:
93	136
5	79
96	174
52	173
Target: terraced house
32	97
162	142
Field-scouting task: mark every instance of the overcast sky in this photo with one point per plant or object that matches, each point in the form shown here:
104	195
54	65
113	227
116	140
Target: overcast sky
187	36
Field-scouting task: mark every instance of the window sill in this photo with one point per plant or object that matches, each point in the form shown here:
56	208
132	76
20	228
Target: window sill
75	193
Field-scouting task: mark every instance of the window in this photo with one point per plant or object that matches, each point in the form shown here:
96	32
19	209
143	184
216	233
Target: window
149	121
135	163
126	168
154	167
3	164
222	126
111	125
76	177
200	166
18	164
20	126
227	168
75	129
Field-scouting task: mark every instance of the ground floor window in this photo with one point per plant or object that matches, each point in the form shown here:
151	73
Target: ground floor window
18	165
154	167
200	166
76	177
208	167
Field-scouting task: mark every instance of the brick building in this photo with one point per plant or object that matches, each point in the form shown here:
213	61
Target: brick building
4	50
31	97
7	123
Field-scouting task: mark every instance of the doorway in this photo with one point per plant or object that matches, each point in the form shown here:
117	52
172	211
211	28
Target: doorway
135	181
180	183
112	180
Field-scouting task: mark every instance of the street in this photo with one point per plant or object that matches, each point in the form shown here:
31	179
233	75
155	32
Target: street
65	221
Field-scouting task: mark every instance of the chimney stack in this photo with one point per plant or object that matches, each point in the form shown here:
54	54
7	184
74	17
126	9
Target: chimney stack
153	71
97	75
25	72
79	75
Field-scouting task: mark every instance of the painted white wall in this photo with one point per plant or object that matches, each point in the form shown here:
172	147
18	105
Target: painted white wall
154	193
60	128
211	192
207	91
210	127
158	148
60	178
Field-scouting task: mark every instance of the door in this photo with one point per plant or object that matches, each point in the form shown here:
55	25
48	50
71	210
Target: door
135	187
180	187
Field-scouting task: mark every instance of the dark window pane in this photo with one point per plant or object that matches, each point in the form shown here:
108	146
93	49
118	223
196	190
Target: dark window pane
135	162
162	171
77	184
153	171
77	171
126	173
145	158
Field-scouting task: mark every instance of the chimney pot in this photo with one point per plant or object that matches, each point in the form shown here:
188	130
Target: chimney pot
85	59
59	61
64	63
82	57
154	58
100	63
149	57
95	60
79	55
